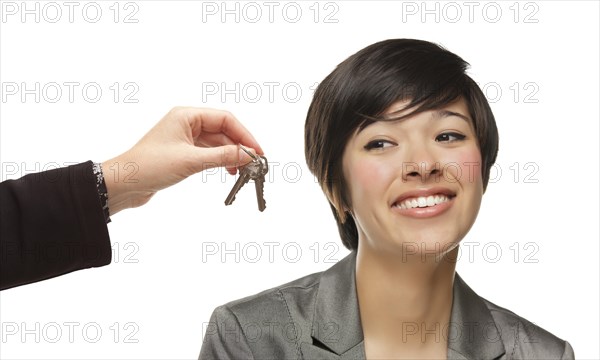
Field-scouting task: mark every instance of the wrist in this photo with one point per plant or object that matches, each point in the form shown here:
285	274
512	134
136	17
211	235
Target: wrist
122	186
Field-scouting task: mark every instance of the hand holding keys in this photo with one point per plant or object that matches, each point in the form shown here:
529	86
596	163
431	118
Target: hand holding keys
254	170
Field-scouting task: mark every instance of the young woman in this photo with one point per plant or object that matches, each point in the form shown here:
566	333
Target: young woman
402	142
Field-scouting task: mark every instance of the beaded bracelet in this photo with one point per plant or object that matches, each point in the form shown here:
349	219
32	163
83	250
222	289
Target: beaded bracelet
102	192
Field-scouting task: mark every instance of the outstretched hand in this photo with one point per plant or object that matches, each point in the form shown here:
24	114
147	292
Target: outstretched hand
185	141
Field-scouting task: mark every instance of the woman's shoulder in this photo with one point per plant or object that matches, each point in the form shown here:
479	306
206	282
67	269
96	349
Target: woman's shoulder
298	296
296	290
523	339
267	325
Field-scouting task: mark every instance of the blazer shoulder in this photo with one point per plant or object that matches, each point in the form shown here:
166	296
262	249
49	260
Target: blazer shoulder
526	340
291	293
267	325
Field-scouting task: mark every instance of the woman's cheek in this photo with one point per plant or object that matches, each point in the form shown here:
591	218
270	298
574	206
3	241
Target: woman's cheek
368	177
463	166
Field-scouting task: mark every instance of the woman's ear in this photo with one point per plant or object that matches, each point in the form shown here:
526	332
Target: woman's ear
342	210
347	209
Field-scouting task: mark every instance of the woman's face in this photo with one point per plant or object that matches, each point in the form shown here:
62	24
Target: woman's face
415	185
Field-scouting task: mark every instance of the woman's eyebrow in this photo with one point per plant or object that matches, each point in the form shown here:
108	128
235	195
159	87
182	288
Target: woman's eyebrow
445	113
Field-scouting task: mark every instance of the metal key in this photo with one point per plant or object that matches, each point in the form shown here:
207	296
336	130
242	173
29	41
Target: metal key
255	170
259	183
241	181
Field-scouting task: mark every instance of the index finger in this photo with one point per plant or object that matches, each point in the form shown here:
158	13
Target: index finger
220	121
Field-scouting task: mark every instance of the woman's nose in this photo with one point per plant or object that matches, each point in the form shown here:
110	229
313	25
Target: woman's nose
421	163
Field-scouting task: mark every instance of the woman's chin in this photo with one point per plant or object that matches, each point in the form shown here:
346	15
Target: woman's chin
427	247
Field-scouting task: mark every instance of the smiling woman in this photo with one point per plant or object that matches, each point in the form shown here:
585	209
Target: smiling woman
402	142
403	170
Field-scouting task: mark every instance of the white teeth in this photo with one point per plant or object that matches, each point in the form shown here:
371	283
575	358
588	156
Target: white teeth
430	201
422	201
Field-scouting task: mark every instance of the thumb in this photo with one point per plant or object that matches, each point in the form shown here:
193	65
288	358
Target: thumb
226	155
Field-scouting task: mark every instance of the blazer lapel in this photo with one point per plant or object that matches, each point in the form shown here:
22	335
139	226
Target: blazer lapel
336	328
312	352
472	330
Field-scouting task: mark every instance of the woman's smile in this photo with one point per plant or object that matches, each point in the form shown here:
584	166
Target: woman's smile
424	203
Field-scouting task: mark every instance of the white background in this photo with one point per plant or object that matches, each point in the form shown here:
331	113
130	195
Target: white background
176	51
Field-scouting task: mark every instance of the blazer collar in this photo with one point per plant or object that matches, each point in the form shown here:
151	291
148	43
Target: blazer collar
336	309
472	330
337	331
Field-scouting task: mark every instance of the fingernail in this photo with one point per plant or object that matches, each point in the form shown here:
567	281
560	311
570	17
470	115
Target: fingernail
243	154
249	152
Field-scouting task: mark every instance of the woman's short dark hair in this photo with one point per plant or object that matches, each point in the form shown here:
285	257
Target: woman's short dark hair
364	86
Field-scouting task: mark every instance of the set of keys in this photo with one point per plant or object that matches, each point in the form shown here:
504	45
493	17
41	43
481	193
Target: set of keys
254	170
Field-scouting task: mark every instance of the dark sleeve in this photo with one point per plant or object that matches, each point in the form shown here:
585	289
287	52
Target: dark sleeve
224	338
51	223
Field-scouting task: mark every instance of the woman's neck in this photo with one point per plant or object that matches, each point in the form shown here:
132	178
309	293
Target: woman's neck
405	303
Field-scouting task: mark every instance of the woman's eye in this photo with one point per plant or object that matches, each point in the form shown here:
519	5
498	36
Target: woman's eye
449	137
378	144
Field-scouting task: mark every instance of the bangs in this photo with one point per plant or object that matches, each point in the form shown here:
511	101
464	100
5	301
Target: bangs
427	82
418	104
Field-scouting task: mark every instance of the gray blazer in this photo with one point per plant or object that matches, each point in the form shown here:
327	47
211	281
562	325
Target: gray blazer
317	317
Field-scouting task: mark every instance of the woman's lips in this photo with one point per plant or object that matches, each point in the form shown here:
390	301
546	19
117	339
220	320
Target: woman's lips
424	212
